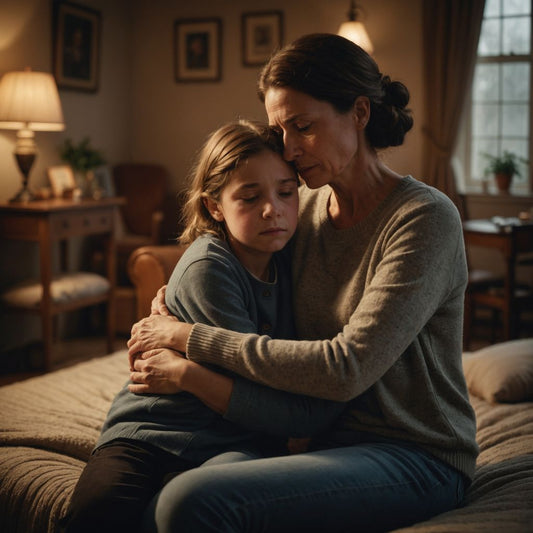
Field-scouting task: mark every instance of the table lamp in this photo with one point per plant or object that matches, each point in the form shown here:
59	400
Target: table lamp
355	31
29	101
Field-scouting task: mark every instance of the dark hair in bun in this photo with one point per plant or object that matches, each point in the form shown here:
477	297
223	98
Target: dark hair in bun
333	69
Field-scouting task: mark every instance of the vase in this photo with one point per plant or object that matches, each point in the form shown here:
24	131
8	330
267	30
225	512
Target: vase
503	182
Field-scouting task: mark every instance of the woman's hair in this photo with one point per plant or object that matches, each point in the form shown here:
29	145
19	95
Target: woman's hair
333	69
225	149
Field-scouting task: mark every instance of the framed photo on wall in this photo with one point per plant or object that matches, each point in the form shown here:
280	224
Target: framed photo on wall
76	42
61	179
198	49
262	34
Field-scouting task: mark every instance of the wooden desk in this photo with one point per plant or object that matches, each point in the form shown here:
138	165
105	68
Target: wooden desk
48	221
511	239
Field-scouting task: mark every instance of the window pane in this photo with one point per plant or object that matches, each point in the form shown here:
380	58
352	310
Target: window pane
486	83
515	7
516	82
478	161
489	40
485	119
515	120
492	8
516	35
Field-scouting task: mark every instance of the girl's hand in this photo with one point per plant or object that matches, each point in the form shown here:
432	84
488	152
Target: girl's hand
158	331
158	306
157	372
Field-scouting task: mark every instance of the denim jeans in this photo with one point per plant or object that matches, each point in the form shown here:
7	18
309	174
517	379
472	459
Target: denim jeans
367	487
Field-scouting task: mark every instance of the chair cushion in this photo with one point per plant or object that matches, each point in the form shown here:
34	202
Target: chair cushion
502	372
65	288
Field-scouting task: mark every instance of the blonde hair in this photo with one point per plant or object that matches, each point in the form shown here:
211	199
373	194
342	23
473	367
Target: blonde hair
222	153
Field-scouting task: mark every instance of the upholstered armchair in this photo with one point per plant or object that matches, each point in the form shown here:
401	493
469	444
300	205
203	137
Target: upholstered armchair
149	268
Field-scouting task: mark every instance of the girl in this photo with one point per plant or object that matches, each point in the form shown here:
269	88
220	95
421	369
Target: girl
241	211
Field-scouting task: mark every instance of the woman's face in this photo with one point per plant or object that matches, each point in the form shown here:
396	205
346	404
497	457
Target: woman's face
320	141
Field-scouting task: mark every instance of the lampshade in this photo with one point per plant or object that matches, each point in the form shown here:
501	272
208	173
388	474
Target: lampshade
355	30
30	100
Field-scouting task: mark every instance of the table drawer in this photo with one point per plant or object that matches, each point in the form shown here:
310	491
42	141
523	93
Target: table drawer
68	224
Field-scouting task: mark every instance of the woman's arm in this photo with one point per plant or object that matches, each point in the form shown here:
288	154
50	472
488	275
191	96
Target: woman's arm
258	408
221	301
422	267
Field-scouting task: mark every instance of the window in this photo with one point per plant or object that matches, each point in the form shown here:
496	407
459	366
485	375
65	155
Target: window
500	117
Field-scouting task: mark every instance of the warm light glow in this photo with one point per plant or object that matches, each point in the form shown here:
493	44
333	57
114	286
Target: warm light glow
355	31
30	100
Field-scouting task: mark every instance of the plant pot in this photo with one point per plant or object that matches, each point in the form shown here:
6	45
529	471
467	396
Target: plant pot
503	181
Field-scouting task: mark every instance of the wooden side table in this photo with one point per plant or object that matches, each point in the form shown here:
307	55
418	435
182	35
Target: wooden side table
49	221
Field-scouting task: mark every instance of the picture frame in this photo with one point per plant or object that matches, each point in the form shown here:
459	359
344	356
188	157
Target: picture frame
76	46
262	34
61	179
198	50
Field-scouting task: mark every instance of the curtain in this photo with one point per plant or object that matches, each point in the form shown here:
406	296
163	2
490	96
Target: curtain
451	31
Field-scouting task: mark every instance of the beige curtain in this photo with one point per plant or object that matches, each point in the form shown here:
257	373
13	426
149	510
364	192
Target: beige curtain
450	33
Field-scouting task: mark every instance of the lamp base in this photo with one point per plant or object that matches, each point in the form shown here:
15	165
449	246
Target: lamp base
25	161
23	196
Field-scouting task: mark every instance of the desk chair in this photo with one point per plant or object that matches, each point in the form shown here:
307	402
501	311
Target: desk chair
510	298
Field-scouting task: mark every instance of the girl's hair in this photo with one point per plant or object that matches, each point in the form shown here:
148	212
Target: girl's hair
223	152
333	69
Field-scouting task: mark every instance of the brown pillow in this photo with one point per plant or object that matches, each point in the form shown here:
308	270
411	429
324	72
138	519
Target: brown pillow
502	372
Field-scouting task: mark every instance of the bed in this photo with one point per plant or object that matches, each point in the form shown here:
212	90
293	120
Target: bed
50	423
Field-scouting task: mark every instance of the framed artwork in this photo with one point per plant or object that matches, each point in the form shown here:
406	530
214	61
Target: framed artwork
198	49
61	179
76	35
262	34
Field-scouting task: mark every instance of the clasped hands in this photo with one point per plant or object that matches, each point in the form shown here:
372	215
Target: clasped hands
156	364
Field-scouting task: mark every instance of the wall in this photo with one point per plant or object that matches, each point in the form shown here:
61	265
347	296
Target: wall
172	132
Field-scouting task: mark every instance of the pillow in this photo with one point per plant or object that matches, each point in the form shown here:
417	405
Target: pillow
502	372
65	288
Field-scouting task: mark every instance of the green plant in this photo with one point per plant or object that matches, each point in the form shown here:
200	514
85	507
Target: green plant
81	157
508	163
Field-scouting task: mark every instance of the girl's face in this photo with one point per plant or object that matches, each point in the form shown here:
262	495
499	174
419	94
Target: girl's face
259	206
320	141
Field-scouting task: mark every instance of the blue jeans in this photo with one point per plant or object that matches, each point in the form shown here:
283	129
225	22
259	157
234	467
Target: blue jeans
367	487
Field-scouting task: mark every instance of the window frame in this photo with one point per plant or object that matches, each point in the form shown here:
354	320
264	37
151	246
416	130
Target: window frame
464	151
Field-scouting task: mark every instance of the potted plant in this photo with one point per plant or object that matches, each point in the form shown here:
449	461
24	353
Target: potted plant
503	167
83	159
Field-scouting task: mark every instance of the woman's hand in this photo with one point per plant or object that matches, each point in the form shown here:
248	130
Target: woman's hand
158	306
158	331
157	371
164	371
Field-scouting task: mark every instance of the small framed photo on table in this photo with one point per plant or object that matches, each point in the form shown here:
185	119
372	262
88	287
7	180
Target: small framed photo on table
61	179
198	49
262	34
76	35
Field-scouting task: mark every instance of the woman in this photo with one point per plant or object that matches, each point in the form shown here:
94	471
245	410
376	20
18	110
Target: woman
380	273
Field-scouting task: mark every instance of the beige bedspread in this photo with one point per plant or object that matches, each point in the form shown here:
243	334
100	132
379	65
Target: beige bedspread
49	424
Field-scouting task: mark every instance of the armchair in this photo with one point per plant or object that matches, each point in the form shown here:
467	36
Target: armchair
149	268
144	186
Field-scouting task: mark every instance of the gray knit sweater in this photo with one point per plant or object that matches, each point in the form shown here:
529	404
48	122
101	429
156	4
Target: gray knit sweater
380	306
